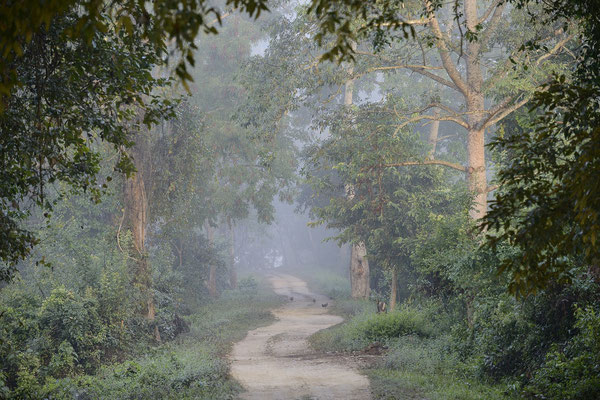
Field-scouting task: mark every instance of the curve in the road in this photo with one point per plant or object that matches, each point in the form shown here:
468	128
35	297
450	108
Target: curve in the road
276	363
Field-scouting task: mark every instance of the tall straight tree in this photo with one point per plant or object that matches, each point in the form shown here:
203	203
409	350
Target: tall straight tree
359	264
135	214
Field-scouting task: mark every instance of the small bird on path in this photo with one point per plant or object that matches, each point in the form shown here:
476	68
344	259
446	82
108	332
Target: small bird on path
314	300
324	305
292	298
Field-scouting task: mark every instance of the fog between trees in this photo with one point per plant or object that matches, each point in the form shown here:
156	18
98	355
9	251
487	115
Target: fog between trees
161	163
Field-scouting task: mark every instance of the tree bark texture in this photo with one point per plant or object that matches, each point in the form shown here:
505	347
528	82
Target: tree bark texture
136	213
476	177
359	272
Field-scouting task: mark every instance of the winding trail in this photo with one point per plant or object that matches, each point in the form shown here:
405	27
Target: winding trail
276	363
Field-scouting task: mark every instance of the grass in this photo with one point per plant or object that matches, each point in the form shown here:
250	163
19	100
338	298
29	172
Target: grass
366	327
419	364
191	367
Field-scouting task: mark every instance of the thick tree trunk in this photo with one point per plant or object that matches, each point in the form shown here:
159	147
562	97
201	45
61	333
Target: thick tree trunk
136	208
359	272
394	289
232	270
359	265
477	180
212	269
475	110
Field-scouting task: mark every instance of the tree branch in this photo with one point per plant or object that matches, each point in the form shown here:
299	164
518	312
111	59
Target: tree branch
435	77
418	118
493	24
489	10
501	114
554	50
447	62
448	164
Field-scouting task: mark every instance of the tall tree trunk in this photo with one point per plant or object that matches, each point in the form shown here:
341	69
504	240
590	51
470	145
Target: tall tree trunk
475	110
359	265
232	271
212	269
136	208
394	289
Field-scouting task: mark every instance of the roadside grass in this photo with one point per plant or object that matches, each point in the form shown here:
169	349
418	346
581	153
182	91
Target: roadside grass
191	367
419	362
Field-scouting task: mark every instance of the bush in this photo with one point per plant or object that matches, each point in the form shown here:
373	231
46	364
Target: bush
404	321
369	327
572	372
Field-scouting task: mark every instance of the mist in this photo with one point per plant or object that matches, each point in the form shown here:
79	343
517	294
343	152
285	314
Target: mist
309	199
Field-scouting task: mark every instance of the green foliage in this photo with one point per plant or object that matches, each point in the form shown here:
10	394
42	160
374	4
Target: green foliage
401	322
572	371
46	345
548	203
368	327
191	368
72	98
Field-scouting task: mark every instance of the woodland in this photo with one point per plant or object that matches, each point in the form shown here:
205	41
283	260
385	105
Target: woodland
158	158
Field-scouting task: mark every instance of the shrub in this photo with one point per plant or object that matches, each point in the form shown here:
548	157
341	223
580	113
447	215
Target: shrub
368	327
404	321
72	324
572	372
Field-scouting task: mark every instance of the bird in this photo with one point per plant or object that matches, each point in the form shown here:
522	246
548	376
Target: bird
314	300
292	298
324	305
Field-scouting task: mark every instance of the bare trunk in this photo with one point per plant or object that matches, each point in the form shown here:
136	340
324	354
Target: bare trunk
359	272
232	270
359	265
476	173
212	271
136	208
394	289
475	108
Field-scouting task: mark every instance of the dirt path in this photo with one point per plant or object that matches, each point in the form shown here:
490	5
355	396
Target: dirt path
276	363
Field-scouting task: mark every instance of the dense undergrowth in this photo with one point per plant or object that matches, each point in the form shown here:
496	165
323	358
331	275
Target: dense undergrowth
511	349
192	366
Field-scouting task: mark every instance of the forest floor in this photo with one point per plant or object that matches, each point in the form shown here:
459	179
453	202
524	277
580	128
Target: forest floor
276	362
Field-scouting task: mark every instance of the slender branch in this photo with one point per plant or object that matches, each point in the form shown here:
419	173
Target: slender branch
506	111
220	19
445	53
489	10
448	164
493	24
491	81
554	50
435	77
418	118
402	66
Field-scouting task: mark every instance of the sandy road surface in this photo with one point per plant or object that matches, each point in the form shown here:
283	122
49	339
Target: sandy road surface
276	363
